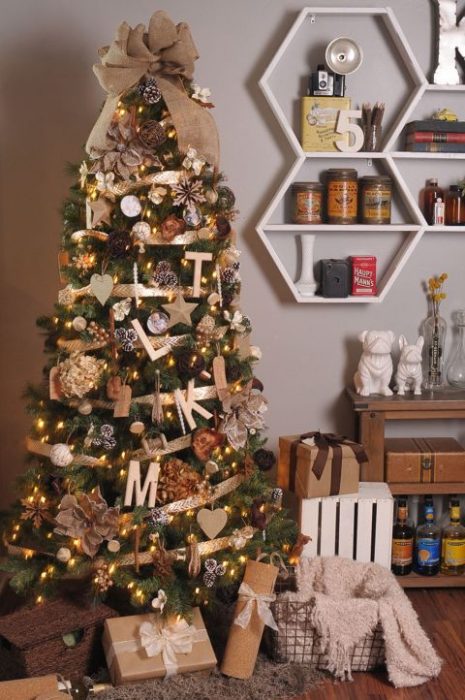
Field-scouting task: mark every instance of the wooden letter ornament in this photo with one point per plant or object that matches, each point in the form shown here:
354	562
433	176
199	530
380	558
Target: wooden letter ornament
133	484
198	259
188	405
151	352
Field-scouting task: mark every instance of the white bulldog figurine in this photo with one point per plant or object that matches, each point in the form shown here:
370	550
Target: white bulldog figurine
409	370
375	367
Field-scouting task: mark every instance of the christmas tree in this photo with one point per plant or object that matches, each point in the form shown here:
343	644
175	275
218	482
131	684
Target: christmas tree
146	460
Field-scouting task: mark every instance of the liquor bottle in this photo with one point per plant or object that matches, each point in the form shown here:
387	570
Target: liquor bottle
429	197
428	543
453	543
402	541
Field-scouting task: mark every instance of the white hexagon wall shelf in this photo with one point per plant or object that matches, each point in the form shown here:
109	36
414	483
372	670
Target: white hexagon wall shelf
282	82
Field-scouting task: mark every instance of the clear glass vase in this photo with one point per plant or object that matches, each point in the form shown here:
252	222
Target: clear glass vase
434	333
456	364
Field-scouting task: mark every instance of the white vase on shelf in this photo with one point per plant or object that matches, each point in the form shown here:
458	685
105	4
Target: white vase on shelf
306	284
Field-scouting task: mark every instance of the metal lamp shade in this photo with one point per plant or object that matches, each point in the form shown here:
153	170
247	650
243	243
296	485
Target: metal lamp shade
343	56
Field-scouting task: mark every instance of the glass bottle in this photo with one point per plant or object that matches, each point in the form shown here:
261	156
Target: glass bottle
453	543
456	365
455	206
429	197
428	543
434	333
402	541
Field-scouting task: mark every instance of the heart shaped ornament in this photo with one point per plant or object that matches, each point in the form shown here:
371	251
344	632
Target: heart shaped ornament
101	287
212	521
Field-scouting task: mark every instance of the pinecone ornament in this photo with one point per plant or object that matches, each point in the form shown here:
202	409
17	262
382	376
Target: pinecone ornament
151	93
277	495
209	579
158	517
164	275
228	275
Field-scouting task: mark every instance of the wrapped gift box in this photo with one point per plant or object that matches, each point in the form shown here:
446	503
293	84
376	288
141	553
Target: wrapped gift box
57	637
30	688
133	647
318	464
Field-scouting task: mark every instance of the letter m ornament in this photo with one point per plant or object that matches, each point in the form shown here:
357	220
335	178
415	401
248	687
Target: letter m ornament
451	37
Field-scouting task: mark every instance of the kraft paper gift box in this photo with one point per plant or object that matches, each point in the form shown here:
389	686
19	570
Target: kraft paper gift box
31	688
140	647
318	464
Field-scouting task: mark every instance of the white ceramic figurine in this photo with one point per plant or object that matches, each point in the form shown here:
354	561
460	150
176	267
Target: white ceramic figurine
409	371
375	367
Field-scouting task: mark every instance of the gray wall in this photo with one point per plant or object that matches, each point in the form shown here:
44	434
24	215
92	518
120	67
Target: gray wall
49	100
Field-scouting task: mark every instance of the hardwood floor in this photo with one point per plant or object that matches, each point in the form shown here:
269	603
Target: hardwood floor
442	614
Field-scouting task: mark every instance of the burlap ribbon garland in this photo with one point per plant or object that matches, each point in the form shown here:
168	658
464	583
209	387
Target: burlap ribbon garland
167	52
323	441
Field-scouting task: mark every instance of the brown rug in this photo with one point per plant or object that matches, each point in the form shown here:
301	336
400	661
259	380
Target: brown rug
270	682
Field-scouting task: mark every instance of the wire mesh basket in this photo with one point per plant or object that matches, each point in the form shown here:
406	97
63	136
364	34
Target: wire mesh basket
298	641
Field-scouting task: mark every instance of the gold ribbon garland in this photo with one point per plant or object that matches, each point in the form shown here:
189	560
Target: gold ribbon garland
167	52
83	346
68	295
201	393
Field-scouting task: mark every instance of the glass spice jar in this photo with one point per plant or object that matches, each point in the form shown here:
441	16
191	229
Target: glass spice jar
307	199
455	206
375	199
342	195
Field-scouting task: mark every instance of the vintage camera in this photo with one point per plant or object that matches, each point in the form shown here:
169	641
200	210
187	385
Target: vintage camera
324	82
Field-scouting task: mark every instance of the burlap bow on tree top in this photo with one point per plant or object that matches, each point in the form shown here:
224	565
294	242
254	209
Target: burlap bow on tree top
167	52
323	441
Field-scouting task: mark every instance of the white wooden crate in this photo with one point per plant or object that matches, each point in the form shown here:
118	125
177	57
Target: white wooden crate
357	526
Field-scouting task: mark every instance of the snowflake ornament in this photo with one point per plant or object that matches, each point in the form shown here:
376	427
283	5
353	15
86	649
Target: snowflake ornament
188	191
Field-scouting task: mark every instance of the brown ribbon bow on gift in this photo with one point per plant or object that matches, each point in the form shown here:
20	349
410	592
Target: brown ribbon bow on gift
324	441
168	52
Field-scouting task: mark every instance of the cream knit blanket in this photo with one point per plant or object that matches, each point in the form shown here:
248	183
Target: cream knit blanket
350	598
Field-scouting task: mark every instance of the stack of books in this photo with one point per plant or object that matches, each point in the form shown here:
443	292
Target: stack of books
435	136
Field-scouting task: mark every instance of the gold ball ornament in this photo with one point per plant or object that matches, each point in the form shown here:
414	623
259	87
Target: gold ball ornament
79	324
137	427
211	196
213	298
63	555
113	546
211	467
85	408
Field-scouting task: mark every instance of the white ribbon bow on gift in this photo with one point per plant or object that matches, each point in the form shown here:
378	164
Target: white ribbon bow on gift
263	607
168	641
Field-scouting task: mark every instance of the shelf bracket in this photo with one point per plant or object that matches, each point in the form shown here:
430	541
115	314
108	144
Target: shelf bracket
369	162
312	19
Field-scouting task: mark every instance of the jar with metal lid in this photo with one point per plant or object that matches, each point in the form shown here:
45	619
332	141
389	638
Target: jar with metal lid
307	202
455	206
342	195
375	199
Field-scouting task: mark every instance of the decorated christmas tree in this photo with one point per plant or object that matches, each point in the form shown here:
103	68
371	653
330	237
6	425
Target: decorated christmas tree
146	462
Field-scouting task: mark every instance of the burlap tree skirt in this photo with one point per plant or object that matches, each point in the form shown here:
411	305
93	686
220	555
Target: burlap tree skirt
270	680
